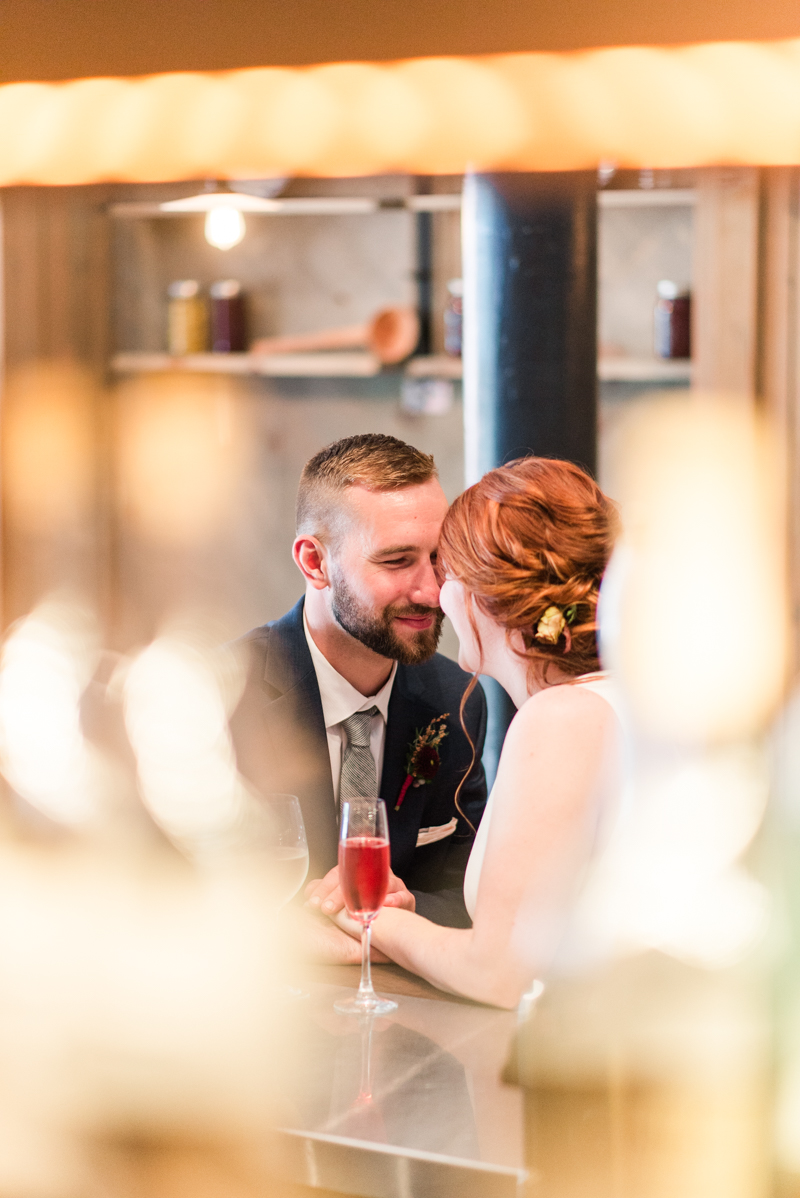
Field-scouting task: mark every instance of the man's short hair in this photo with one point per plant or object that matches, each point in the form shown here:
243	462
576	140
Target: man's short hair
372	460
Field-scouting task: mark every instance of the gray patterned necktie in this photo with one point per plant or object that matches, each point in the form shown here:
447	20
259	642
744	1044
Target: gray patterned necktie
358	776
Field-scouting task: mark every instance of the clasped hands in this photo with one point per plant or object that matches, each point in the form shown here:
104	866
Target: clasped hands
325	896
323	932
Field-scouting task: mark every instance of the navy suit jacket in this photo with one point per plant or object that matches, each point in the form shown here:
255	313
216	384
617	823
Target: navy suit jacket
281	746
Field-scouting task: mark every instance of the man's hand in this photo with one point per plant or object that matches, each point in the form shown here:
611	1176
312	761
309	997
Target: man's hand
325	894
319	941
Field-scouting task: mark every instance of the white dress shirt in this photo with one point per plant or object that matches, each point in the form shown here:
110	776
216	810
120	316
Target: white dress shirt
340	700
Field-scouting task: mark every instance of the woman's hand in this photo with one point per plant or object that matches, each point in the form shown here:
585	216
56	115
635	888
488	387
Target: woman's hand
325	894
344	923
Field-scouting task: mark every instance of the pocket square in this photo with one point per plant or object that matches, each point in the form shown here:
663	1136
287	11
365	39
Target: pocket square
430	835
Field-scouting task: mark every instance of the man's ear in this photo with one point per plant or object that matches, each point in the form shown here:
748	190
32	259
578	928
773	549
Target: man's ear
311	559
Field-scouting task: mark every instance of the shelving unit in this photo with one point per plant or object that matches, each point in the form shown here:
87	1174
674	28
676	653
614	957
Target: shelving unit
362	364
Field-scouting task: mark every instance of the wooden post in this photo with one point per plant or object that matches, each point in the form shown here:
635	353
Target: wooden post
726	281
55	428
778	366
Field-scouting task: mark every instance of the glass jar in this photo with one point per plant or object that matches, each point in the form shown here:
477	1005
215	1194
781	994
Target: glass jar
672	329
228	333
187	318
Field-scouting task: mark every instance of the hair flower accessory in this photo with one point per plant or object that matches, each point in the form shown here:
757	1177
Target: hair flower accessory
553	623
423	759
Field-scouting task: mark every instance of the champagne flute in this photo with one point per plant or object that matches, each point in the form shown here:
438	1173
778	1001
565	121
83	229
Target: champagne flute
364	879
365	1096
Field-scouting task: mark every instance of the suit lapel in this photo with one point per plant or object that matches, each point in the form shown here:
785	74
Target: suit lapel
296	729
395	748
408	711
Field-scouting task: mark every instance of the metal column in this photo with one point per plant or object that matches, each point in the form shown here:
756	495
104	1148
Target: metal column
530	336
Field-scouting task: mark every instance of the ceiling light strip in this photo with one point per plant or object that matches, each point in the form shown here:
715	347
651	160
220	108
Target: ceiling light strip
724	103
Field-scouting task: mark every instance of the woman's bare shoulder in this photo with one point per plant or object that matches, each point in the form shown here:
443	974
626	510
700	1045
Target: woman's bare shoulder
560	708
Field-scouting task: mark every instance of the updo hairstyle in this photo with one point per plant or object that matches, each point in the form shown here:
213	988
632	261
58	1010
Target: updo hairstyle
534	534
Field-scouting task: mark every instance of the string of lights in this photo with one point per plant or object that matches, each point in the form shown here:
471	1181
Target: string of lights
710	103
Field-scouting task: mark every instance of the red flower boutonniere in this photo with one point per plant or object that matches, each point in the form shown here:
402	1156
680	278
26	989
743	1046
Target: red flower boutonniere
423	759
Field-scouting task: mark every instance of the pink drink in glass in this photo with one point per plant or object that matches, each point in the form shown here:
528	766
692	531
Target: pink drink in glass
364	873
364	861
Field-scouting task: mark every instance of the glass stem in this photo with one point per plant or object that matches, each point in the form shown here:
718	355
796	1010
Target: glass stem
365	985
365	1090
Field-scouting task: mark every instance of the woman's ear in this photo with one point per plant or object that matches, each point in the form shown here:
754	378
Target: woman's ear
311	559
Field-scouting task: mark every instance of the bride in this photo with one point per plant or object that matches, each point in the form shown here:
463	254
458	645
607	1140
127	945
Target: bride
522	552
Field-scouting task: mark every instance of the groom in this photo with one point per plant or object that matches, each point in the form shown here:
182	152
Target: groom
339	687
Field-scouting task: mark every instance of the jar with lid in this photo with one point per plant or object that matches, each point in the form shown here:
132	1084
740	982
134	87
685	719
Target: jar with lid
228	332
187	318
453	318
672	321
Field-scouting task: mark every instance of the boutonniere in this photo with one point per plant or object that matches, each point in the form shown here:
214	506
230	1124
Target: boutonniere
423	761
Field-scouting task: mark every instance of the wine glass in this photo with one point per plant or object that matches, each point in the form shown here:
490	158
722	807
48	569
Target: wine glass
287	858
287	847
364	879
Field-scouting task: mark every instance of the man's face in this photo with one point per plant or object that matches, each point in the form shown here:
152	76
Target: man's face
383	583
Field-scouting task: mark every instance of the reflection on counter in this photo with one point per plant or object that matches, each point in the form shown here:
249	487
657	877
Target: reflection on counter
405	1104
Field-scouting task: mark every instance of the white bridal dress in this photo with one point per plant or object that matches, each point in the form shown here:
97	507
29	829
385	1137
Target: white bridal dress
607	822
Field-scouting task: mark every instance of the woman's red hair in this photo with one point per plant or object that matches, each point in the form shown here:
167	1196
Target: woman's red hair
534	534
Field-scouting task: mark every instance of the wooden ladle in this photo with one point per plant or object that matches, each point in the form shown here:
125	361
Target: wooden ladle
391	334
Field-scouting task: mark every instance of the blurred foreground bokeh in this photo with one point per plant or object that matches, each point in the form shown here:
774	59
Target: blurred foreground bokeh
145	1036
650	1063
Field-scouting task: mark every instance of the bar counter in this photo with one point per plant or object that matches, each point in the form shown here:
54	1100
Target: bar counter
411	1103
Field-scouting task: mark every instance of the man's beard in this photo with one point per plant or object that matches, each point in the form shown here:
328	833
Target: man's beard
376	631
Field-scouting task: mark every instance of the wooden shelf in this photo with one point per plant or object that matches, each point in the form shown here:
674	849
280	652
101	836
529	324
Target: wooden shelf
644	370
316	365
365	365
312	365
434	366
657	197
290	205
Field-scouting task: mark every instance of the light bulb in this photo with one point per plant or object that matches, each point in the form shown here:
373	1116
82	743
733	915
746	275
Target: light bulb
224	227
